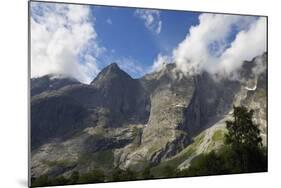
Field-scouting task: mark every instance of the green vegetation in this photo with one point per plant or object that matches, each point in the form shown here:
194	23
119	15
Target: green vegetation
134	132
44	180
40	181
61	180
60	163
103	159
168	171
95	176
242	131
205	164
123	175
218	135
243	151
146	174
74	178
160	170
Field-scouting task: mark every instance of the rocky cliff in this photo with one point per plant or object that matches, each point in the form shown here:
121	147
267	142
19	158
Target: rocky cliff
165	117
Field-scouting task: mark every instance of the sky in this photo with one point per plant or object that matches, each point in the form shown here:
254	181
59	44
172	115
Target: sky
80	40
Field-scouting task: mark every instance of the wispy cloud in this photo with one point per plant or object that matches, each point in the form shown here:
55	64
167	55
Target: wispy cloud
151	19
63	41
160	62
109	21
129	64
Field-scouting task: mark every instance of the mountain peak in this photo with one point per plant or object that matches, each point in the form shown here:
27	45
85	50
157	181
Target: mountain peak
111	72
113	66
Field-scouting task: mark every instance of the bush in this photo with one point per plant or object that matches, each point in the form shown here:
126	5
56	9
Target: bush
168	171
61	180
205	164
146	174
95	176
123	175
74	177
40	181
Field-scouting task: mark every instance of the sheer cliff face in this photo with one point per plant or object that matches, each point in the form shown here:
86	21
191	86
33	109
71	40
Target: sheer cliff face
121	94
253	91
133	122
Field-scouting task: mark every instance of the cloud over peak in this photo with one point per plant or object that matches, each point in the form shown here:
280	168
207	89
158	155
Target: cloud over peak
207	46
63	41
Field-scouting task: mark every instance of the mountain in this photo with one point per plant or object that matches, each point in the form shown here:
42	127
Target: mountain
49	83
122	95
164	118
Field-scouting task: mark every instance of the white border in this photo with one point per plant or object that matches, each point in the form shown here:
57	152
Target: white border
13	78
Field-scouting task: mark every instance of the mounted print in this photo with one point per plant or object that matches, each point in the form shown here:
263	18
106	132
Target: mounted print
123	93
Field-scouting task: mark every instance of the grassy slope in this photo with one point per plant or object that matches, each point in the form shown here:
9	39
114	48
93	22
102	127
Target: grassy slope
205	142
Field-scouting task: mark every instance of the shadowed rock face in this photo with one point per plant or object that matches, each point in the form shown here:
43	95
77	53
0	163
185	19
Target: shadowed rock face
123	95
211	101
50	83
111	100
55	117
135	122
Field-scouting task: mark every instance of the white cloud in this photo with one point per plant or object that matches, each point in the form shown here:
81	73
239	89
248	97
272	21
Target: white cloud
160	62
206	47
151	19
246	46
63	41
109	21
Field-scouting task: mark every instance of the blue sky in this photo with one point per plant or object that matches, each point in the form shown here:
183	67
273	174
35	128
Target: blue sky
80	40
125	35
